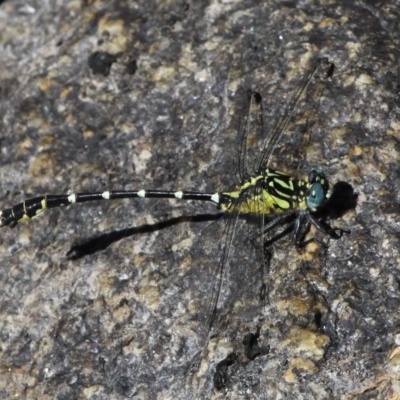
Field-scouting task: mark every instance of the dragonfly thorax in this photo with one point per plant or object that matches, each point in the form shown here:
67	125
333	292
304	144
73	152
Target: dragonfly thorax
273	191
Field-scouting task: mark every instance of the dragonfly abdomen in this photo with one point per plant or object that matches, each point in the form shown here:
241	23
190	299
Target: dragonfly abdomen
32	208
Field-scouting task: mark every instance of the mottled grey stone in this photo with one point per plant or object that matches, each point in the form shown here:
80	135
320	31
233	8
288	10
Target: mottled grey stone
123	315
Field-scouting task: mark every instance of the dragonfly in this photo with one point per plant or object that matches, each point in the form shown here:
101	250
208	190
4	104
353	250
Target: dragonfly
270	195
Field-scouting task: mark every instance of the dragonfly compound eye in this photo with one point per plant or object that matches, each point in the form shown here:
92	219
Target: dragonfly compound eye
317	175
316	196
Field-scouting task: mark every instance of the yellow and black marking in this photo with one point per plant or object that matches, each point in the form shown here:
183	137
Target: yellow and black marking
270	192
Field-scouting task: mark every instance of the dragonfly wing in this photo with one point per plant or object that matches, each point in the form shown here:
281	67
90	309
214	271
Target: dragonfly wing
281	125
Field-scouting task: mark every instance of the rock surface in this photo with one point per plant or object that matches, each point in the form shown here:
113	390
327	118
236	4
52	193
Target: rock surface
110	301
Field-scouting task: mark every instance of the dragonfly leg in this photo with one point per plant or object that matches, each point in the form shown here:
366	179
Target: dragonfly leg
334	233
304	220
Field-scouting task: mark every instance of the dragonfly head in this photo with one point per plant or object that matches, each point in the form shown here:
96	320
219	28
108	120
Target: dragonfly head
319	191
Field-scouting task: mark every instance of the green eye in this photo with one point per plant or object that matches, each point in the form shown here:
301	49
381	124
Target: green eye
316	196
318	176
